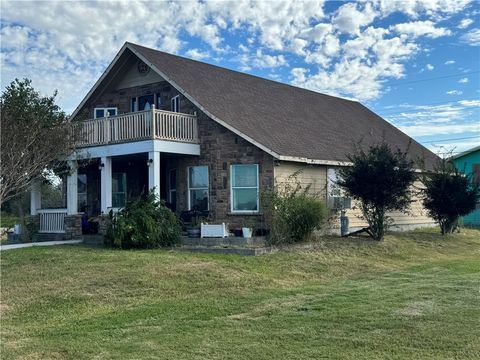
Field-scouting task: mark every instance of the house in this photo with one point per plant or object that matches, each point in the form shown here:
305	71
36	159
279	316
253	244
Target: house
468	162
208	138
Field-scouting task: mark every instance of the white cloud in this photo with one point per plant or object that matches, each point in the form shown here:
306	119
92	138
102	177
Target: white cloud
472	37
470	103
196	54
465	23
430	67
423	130
449	62
350	18
454	92
421	28
463	80
347	53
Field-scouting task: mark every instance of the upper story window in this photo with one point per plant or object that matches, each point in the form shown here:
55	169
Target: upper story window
146	102
104	112
244	188
175	104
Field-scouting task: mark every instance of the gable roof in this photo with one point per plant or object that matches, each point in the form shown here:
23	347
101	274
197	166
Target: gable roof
288	122
466	152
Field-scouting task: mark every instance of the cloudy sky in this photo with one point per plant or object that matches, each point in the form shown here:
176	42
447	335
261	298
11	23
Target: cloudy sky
416	63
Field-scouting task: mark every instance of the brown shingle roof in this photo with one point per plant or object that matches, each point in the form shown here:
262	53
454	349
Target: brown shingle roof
287	120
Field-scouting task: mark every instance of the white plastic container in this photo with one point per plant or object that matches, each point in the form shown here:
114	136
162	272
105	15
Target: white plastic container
247	232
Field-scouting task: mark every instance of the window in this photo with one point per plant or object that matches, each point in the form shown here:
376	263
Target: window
103	112
82	193
198	188
175	104
336	198
244	188
172	188
119	190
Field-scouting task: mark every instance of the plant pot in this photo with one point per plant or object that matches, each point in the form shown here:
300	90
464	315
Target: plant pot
247	233
193	233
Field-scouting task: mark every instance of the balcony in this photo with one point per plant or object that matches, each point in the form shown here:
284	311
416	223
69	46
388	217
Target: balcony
137	126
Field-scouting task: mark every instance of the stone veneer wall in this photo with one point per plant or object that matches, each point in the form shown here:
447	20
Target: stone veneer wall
220	148
73	226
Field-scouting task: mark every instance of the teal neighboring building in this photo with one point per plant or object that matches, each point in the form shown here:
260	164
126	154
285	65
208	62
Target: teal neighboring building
468	162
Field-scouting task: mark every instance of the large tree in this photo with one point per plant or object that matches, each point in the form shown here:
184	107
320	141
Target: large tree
449	194
35	135
380	179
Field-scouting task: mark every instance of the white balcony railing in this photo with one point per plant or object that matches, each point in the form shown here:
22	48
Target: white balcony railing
52	220
136	126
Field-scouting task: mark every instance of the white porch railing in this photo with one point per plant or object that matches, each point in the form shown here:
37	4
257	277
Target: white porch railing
52	220
141	125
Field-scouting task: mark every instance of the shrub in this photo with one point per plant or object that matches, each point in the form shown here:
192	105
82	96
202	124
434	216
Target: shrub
448	195
380	179
144	223
291	213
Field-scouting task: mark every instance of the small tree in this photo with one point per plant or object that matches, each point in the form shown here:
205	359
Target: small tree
448	195
380	179
35	135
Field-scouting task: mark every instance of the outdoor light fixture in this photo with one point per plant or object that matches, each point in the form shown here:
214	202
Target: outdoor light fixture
101	166
149	162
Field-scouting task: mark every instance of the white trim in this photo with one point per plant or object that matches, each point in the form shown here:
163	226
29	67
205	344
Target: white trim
244	187
175	104
105	112
189	188
136	147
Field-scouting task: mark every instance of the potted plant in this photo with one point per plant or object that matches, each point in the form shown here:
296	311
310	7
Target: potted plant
247	228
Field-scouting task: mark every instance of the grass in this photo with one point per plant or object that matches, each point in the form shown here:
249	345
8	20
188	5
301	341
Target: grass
414	296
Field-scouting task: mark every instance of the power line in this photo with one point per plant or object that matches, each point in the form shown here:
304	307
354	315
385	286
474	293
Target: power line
395	111
451	139
435	78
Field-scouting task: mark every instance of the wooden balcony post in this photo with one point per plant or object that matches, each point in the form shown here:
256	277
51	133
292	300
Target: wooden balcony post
154	172
154	133
35	198
106	184
72	188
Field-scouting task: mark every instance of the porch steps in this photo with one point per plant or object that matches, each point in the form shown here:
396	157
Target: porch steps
228	241
40	237
229	245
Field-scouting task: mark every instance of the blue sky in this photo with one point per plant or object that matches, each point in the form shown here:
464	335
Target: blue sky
416	63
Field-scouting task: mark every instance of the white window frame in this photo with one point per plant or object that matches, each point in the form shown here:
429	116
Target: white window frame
172	192
81	194
175	104
105	111
207	188
124	175
232	188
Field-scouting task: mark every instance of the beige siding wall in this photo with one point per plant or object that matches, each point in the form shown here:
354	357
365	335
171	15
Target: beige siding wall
317	176
309	174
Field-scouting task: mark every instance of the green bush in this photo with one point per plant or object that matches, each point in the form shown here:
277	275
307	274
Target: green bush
144	223
292	214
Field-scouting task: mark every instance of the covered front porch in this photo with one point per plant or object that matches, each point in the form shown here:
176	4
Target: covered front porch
96	185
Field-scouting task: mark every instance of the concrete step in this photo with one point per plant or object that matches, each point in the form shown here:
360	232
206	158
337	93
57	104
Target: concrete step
93	239
222	242
244	251
48	237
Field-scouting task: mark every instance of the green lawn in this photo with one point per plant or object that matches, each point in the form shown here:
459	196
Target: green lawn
414	296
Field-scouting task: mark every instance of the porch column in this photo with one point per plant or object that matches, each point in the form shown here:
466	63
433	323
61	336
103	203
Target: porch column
35	198
154	172
106	184
72	191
